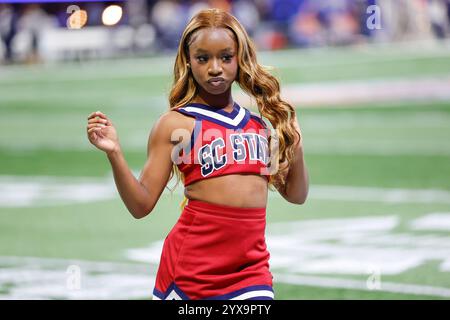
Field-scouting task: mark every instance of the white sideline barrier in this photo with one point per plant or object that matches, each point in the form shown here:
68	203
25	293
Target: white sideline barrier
61	43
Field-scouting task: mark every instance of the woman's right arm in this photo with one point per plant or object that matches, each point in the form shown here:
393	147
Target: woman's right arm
140	196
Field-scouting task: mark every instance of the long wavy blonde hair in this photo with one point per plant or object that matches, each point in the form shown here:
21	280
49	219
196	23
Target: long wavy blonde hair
253	78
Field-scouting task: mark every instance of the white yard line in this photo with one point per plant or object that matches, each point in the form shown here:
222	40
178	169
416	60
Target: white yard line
361	91
438	221
16	191
332	93
390	287
32	191
46	278
385	195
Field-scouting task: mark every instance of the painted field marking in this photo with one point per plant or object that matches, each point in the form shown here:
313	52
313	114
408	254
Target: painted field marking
300	252
46	278
29	191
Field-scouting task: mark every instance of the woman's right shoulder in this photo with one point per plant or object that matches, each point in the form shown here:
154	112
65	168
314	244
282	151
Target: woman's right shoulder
172	120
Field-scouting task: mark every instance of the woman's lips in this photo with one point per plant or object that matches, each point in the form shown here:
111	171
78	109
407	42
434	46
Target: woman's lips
215	82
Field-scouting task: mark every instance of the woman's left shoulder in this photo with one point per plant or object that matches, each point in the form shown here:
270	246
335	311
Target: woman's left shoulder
257	117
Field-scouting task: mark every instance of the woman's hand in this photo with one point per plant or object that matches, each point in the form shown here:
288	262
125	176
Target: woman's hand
101	133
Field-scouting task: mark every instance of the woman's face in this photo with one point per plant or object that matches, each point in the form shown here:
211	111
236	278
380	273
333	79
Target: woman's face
212	55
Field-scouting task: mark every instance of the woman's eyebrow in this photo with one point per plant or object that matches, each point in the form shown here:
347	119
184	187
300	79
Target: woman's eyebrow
227	49
200	50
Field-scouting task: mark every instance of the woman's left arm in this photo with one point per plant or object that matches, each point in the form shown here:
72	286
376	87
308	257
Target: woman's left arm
295	189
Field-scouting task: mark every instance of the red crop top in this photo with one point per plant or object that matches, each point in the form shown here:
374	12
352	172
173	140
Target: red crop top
223	143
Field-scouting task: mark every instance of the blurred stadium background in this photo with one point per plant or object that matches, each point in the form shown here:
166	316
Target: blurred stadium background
371	83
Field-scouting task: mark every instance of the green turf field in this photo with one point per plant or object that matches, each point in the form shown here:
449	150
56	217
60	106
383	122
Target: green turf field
376	224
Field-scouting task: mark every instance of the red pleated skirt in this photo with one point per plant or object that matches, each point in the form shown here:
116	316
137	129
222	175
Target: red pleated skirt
215	252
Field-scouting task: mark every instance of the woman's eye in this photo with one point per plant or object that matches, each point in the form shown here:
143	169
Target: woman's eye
227	58
202	58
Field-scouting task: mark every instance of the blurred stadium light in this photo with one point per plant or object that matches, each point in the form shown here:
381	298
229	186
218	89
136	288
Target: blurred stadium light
112	15
77	19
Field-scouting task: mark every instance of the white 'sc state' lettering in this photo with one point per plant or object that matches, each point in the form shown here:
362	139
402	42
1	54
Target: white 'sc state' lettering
237	143
209	159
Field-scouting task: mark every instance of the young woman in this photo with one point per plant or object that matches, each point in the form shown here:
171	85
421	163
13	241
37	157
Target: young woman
225	156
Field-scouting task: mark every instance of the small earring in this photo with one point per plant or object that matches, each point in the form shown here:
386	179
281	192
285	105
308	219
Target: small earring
188	65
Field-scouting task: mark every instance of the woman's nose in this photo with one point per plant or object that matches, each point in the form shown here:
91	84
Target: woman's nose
215	67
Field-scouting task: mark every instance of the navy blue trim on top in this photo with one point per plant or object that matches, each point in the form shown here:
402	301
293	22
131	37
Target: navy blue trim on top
181	110
195	133
261	121
228	115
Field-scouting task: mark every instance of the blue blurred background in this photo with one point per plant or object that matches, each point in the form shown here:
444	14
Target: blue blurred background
56	30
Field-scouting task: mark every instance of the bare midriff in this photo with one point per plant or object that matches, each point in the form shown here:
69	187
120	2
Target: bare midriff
236	190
